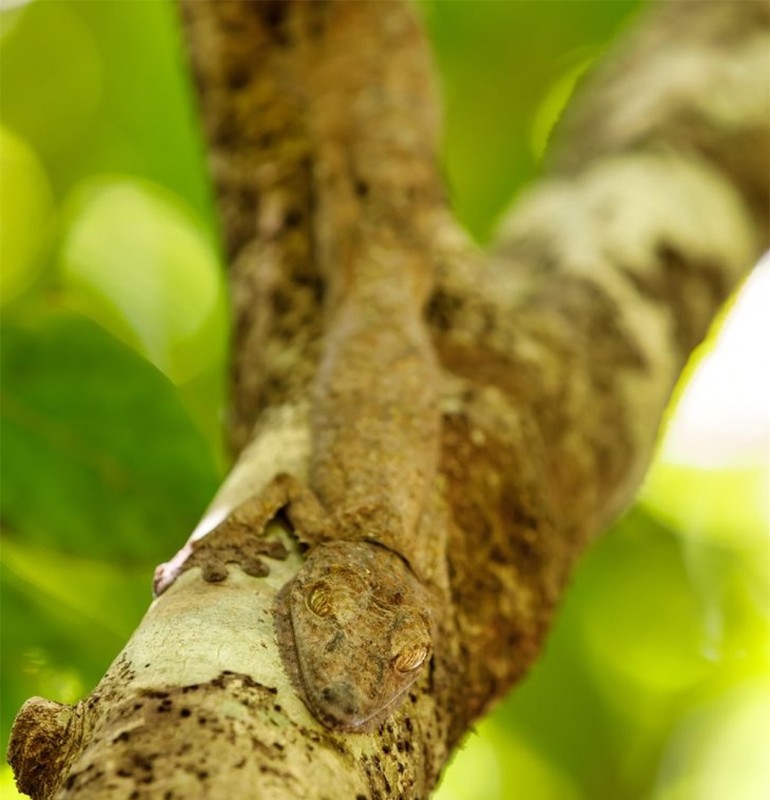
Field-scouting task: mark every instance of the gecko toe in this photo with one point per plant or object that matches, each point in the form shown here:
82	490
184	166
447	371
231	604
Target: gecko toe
255	567
214	573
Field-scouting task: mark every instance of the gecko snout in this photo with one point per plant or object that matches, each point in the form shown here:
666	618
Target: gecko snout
342	700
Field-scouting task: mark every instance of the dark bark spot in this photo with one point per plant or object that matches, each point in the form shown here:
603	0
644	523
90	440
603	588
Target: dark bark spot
690	290
317	19
246	197
224	135
293	218
239	77
442	310
274	14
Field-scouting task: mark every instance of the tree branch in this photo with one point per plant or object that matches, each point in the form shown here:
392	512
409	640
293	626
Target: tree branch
559	352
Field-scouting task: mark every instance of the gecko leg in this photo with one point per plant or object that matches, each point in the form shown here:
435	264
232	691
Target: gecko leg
239	538
308	518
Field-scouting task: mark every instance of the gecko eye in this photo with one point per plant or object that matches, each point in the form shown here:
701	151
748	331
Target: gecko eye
410	658
319	601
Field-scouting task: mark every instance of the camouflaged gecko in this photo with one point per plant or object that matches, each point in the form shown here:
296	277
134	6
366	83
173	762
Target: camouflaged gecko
356	624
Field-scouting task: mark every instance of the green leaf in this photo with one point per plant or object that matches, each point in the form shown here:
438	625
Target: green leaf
723	505
103	594
52	77
498	62
134	259
64	621
720	749
150	123
26	215
644	628
498	763
99	456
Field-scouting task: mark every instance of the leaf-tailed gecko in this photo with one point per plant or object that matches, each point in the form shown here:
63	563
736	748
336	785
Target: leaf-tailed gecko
356	623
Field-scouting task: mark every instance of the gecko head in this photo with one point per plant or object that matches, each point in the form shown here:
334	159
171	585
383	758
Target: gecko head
361	628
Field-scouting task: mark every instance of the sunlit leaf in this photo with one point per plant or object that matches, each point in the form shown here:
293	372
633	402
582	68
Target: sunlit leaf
555	100
26	215
720	750
52	77
148	121
721	412
475	772
724	505
133	259
99	592
49	648
722	518
643	625
8	790
493	765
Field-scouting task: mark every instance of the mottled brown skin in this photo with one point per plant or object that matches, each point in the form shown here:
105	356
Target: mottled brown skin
354	627
554	388
357	623
375	414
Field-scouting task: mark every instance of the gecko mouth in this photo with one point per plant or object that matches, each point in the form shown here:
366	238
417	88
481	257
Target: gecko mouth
341	708
342	705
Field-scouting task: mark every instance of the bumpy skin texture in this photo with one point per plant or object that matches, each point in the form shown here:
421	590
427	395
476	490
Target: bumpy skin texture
355	628
560	354
375	410
237	539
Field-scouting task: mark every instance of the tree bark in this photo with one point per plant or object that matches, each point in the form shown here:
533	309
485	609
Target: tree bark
559	350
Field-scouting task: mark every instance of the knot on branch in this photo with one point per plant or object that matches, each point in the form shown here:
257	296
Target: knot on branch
42	740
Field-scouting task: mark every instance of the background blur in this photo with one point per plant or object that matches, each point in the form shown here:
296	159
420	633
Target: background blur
656	682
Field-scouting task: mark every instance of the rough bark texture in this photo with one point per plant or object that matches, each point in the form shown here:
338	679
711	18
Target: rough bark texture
559	350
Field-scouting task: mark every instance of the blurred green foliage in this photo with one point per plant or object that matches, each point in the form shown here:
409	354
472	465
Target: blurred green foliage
655	682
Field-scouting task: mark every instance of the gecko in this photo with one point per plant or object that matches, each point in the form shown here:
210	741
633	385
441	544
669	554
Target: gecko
356	624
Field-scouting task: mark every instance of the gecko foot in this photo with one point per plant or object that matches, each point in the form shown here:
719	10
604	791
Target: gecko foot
238	538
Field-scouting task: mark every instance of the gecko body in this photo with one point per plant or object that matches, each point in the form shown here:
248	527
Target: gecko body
356	625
